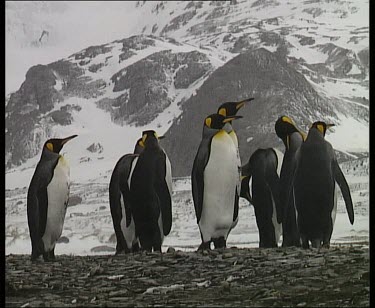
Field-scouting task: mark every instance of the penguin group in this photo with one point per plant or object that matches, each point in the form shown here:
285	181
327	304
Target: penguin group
296	203
140	196
301	200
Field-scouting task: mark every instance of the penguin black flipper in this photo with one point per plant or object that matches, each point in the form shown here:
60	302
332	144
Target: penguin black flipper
37	204
245	188
287	188
200	162
341	181
273	181
164	194
236	205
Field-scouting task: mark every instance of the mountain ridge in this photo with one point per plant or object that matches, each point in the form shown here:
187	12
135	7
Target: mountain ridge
332	71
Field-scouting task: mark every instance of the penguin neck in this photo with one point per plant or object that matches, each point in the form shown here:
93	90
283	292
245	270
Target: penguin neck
295	141
209	132
49	155
314	134
228	127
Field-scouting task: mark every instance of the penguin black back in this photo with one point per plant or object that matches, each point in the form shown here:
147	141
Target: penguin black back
119	200
262	169
292	138
316	173
150	195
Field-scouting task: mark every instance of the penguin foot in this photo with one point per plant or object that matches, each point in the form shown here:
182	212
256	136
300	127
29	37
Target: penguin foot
119	252
220	242
34	258
135	248
204	246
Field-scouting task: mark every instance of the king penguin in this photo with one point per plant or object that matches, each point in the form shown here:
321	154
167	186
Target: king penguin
119	202
150	193
230	109
292	138
214	182
47	199
316	172
262	169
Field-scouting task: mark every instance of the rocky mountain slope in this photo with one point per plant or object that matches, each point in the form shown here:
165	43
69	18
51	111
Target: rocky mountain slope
308	60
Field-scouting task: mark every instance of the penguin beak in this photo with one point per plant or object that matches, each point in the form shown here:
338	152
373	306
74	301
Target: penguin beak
161	137
229	119
65	140
242	103
330	125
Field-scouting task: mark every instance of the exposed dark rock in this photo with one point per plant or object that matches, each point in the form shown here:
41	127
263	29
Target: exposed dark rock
364	57
277	89
243	43
136	42
95	148
314	11
270	38
92	52
340	59
74	200
147	82
63	239
305	40
178	21
218	12
95	67
126	55
61	117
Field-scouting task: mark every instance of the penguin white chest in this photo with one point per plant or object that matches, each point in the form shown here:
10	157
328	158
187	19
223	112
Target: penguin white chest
128	232
58	195
220	179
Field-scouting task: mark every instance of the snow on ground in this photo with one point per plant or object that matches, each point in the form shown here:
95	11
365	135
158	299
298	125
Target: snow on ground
350	135
88	225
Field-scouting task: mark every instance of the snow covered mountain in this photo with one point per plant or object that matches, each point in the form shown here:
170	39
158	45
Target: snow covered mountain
150	80
165	65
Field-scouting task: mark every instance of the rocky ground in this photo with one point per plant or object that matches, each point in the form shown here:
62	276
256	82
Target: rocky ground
335	277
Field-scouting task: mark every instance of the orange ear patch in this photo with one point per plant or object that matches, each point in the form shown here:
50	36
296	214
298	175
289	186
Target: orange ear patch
223	112
49	146
321	128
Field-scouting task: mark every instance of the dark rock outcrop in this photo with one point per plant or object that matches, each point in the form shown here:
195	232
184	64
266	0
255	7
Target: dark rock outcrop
277	88
148	81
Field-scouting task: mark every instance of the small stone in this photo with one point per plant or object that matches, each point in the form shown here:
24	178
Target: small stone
226	286
227	255
303	304
171	250
63	239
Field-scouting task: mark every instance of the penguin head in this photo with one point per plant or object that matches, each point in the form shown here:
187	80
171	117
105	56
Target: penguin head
217	121
284	127
150	138
139	146
321	127
229	109
55	145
